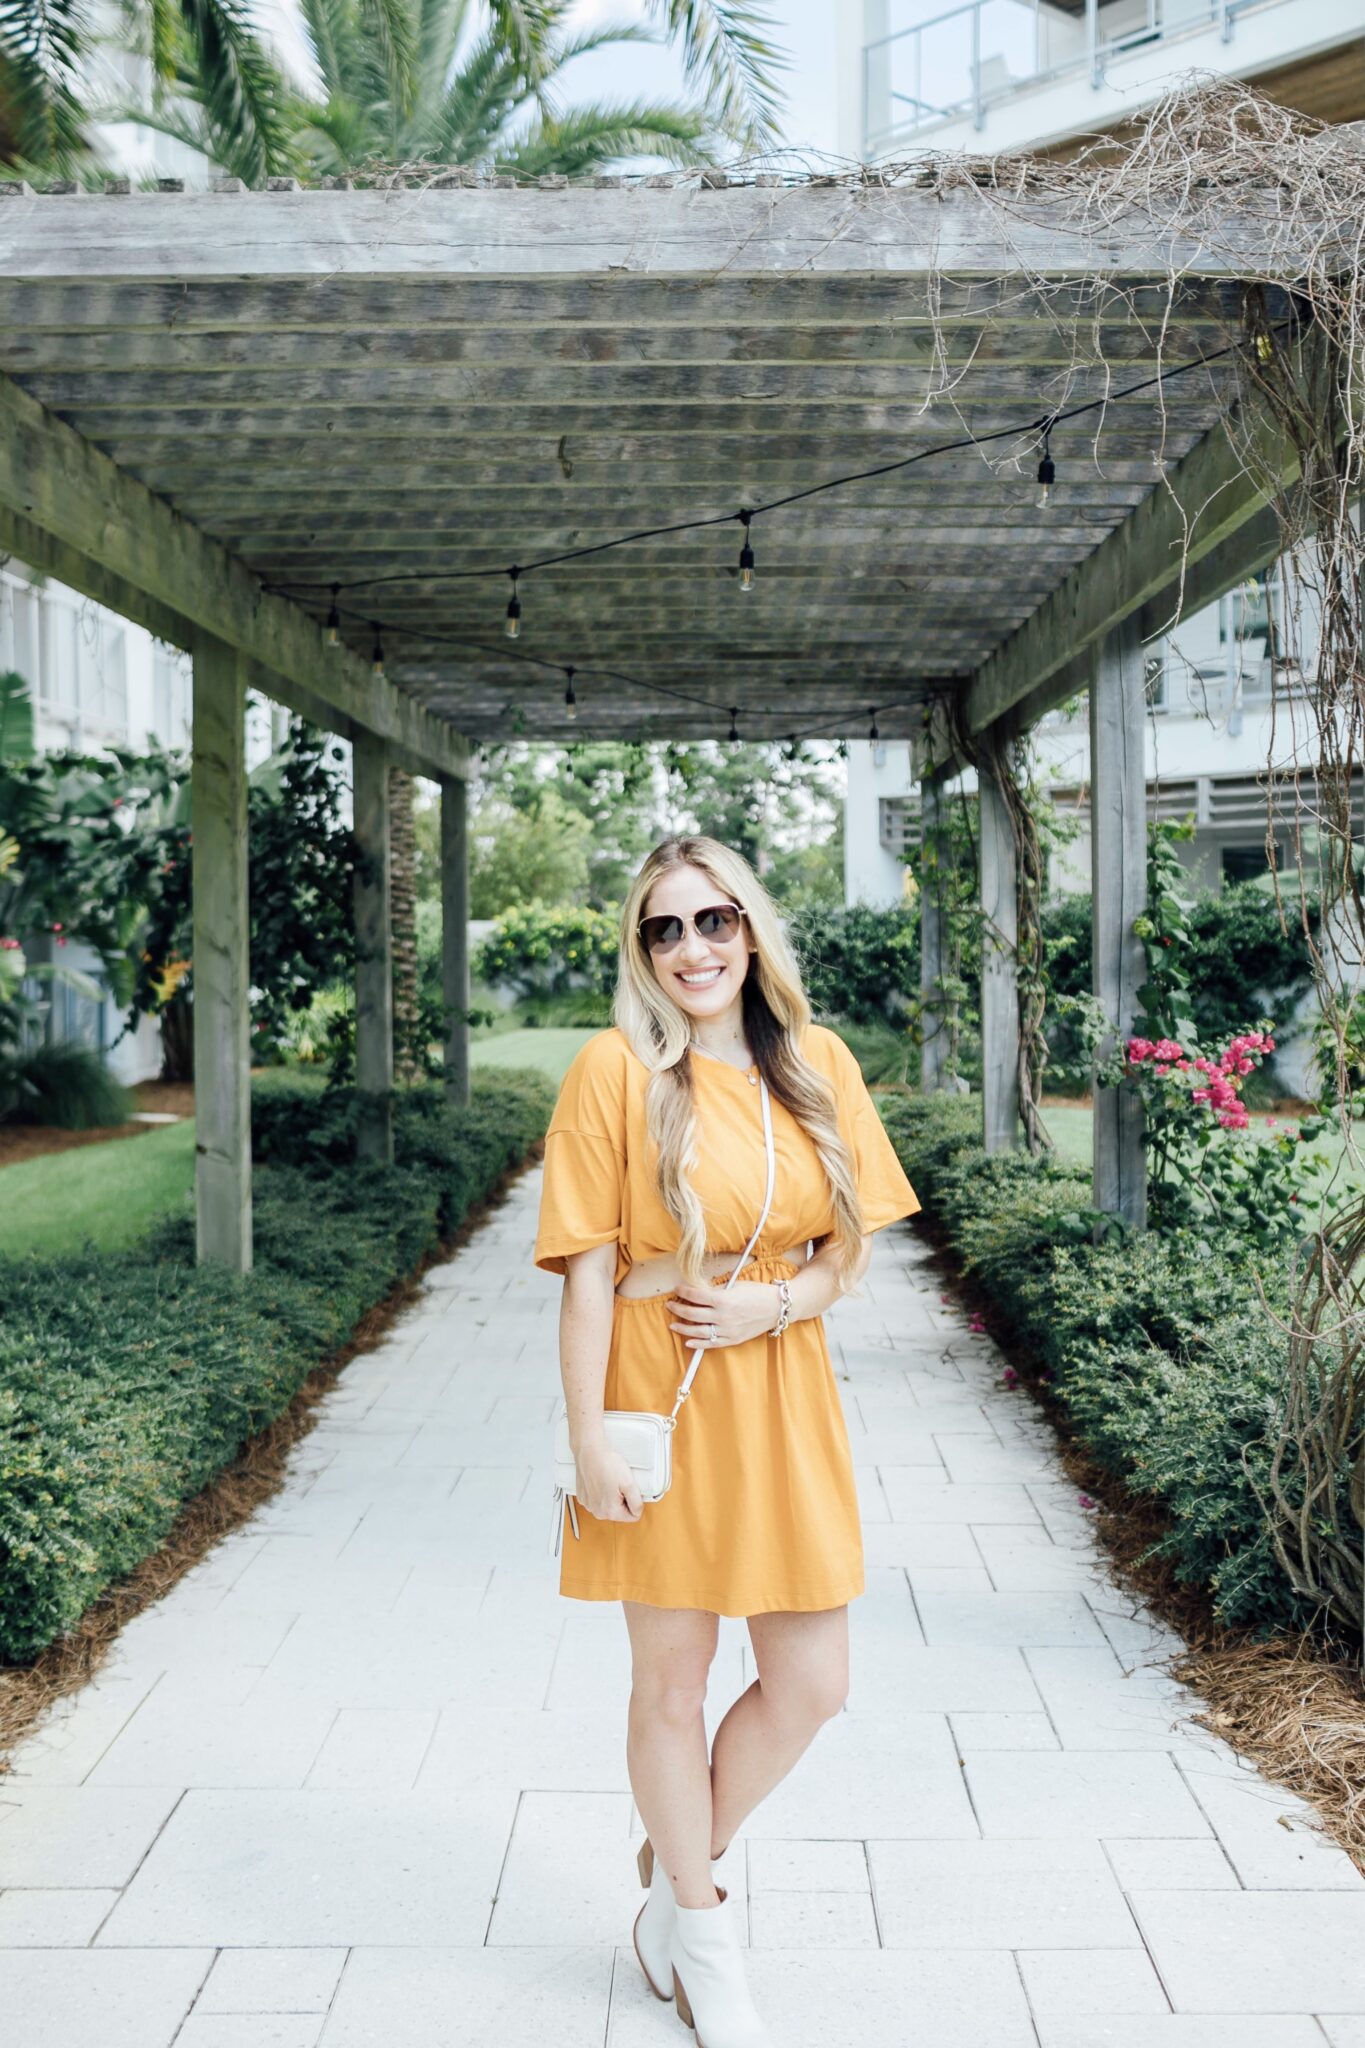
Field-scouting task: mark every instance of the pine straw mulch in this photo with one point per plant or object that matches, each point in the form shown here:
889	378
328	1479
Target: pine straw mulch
19	1142
254	1476
1293	1705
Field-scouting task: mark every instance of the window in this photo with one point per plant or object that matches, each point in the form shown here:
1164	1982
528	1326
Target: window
1245	863
105	699
170	697
1155	670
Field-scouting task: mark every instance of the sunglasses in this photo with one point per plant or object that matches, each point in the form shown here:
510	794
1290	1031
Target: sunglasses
716	921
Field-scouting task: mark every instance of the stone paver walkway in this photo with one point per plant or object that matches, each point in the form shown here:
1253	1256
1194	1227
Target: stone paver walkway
359	1780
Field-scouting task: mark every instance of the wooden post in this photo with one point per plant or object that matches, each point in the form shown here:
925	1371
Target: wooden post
1118	870
374	952
222	973
455	934
933	1053
999	993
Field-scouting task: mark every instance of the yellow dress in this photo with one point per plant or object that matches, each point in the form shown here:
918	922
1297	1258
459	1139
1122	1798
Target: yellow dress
762	1514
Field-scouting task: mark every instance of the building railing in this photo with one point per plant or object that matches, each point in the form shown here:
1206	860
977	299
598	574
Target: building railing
960	64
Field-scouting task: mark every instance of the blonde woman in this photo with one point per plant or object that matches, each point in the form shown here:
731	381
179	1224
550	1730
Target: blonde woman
655	1168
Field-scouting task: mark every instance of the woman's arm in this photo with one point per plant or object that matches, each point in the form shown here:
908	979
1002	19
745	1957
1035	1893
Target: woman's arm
751	1307
608	1488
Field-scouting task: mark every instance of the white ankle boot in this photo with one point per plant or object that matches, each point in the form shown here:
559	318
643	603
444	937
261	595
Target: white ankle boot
653	1931
709	1981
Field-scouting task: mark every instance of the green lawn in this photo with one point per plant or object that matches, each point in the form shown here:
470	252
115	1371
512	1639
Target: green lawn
112	1192
108	1192
1071	1128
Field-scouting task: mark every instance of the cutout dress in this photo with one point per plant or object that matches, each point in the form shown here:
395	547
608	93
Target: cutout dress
762	1514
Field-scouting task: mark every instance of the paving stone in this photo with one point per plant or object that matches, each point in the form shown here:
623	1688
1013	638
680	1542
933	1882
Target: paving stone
1035	1894
1176	2030
250	2030
805	1866
179	1740
1344	2030
87	1998
65	1918
432	1997
317	1869
377	1747
78	1835
1270	1836
915	1498
1002	1731
888	1674
868	1997
1029	1560
1062	1983
74	1732
272	1980
1096	1704
804	1919
949	1580
1177	1864
570	1873
842	1786
918	1544
1082	1793
1257	1952
1028	1620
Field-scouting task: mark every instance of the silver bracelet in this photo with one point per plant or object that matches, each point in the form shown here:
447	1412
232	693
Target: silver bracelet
785	1295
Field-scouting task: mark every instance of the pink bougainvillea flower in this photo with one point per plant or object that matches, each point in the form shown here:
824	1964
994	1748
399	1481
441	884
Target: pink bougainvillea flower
1010	1376
1085	1500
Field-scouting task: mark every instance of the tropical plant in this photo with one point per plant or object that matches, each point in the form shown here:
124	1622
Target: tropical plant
411	82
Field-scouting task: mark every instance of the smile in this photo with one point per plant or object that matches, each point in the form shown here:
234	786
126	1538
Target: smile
703	979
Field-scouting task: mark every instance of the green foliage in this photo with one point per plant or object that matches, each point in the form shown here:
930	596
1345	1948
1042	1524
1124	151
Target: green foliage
128	1381
541	951
520	856
861	963
16	720
68	1086
1160	1354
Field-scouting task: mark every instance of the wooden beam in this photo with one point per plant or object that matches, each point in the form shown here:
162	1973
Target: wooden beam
221	955
934	1033
1215	493
374	952
455	936
1118	867
913	230
999	978
54	482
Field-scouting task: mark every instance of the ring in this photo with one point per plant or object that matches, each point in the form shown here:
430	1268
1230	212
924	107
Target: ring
711	1338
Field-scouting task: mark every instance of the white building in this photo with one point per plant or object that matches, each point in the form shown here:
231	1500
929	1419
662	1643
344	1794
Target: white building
996	75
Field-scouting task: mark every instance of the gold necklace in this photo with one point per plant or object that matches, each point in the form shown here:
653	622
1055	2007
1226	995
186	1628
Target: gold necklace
748	1072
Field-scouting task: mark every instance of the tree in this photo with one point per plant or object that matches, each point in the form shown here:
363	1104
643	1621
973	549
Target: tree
527	856
407	82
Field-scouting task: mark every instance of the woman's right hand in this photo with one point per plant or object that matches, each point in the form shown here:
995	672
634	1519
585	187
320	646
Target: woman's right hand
606	1484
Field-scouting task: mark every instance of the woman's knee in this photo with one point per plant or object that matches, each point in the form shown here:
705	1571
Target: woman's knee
807	1695
673	1693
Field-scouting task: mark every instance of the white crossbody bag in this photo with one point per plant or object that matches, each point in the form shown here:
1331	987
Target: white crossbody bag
644	1439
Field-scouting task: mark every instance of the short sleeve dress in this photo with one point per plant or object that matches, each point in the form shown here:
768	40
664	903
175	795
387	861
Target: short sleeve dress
762	1514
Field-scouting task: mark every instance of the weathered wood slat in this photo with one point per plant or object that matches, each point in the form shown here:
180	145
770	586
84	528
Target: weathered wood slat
1118	866
677	233
57	482
92	303
374	1065
222	970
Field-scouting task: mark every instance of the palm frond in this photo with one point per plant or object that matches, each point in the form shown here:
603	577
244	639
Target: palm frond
727	52
393	28
241	91
590	138
42	44
525	29
330	27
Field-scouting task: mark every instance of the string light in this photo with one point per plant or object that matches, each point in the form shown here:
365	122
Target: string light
872	731
1047	471
334	619
734	729
377	657
570	701
746	556
513	626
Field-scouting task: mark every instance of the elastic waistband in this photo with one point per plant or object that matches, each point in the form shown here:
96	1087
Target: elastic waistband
662	1273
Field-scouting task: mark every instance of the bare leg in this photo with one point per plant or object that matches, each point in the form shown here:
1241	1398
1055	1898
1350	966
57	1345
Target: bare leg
802	1681
671	1652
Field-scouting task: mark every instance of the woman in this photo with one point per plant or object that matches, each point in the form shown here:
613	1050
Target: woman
655	1168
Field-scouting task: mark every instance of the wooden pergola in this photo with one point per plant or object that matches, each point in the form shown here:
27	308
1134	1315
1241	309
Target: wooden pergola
214	407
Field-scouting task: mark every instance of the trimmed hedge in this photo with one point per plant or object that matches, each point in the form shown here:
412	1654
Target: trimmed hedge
129	1380
1160	1352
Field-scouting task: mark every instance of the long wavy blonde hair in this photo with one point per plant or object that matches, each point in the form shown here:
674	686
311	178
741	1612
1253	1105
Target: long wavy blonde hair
776	1013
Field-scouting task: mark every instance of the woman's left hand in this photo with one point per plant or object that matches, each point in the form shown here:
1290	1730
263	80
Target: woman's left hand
748	1309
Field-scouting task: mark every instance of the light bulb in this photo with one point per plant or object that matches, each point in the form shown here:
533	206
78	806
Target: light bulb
377	658
734	729
513	626
746	558
1047	477
872	731
334	620
570	701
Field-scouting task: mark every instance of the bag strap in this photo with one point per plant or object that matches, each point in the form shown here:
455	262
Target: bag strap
697	1349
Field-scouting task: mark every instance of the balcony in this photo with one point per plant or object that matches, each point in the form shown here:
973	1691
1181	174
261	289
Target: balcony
960	67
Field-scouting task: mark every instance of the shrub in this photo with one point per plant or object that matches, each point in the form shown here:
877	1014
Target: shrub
1163	1358
540	950
67	1086
860	963
128	1381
